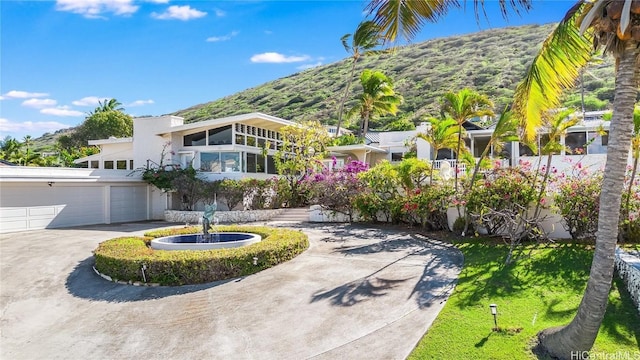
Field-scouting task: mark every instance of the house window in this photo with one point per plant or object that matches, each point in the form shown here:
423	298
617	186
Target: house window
230	161
197	139
239	139
95	164
544	140
186	159
121	164
479	144
576	142
251	141
108	164
210	162
220	136
251	163
396	156
525	150
131	164
271	165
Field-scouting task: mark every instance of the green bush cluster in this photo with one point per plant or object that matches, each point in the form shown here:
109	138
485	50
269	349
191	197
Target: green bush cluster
123	258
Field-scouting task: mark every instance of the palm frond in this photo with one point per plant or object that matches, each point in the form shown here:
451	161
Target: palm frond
406	18
554	69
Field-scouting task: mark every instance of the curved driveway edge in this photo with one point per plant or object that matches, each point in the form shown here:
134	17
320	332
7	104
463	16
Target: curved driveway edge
356	293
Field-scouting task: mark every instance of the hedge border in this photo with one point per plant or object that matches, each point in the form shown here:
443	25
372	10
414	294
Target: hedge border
123	259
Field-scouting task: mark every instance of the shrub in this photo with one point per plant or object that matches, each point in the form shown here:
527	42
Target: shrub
123	258
577	200
232	192
504	191
336	190
428	206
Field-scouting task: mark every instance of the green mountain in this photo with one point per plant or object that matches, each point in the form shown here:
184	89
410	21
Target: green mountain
491	62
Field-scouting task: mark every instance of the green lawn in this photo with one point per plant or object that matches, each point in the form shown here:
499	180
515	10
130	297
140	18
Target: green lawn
537	292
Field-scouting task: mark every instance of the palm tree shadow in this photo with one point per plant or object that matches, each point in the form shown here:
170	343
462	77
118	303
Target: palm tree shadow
357	291
621	315
84	283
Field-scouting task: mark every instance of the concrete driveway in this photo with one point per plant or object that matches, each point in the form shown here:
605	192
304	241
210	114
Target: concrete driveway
356	293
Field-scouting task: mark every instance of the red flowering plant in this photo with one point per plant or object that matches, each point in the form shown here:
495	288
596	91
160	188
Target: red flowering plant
427	206
335	190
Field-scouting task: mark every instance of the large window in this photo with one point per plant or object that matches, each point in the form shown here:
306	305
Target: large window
220	136
210	162
220	162
271	165
197	139
479	144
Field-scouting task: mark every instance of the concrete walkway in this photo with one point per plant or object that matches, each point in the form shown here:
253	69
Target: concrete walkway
356	293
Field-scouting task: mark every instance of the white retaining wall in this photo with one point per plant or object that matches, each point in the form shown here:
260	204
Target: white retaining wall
628	267
195	217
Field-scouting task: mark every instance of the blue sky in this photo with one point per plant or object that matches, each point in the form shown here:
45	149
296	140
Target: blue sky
58	58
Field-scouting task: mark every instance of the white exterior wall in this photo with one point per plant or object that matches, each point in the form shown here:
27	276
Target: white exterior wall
39	198
147	145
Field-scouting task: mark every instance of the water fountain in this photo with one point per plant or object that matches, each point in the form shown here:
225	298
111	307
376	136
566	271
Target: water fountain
206	240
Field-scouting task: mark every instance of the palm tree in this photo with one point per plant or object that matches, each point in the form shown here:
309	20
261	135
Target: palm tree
378	98
441	134
556	127
107	105
603	23
505	130
364	40
463	106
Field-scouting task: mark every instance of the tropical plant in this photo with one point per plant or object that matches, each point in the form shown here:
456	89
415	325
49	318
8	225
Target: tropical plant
555	127
377	99
440	134
363	42
303	148
461	107
107	105
612	25
577	202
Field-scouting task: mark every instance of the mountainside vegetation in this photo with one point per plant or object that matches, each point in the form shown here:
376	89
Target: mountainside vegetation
490	62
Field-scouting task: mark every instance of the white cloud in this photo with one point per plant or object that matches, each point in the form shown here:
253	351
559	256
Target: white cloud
17	94
223	37
39	103
220	13
183	13
273	57
61	111
89	101
158	1
7	126
93	9
141	102
309	66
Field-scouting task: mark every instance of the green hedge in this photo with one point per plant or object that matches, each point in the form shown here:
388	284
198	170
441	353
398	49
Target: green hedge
123	258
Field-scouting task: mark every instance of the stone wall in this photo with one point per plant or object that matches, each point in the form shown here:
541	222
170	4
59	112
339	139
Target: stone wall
242	216
628	267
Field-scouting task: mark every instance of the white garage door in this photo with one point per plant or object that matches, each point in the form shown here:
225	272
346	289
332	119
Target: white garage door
40	206
128	203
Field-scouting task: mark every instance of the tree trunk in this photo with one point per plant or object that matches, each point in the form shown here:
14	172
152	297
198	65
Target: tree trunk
580	334
458	157
344	97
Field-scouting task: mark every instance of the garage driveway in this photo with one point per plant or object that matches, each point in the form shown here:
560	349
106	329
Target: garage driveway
356	293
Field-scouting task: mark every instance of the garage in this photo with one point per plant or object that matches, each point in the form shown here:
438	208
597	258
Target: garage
128	203
50	205
43	198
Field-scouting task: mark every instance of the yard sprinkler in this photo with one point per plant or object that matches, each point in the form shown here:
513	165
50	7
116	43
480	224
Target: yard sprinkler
494	312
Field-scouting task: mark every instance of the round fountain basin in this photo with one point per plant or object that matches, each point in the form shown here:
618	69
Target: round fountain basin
195	241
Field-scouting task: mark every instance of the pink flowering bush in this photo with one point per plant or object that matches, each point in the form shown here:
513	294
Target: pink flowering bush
336	190
577	200
427	206
507	190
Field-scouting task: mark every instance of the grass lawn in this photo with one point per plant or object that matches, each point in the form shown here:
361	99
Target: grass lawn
537	292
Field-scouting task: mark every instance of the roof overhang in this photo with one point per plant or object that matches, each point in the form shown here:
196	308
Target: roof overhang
356	147
254	119
111	141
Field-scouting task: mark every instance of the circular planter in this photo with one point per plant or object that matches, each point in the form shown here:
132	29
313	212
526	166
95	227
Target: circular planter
196	241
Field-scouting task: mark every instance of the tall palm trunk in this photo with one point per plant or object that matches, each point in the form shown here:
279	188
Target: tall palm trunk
458	157
580	334
344	96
